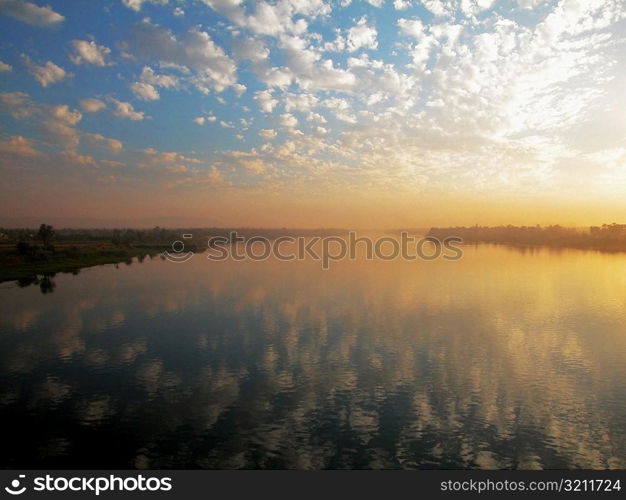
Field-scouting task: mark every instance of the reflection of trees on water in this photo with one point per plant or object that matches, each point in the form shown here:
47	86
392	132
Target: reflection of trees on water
45	281
399	367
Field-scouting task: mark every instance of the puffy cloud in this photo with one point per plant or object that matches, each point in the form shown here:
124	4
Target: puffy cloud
250	49
113	145
272	19
411	27
401	4
144	91
288	121
54	124
265	100
30	13
201	120
195	49
268	133
47	74
148	75
89	52
362	36
136	5
126	110
18	145
92	105
4	67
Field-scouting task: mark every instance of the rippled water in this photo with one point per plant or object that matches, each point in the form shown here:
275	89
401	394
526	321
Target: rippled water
502	359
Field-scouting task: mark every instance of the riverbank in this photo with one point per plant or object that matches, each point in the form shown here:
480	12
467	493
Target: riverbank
605	238
16	264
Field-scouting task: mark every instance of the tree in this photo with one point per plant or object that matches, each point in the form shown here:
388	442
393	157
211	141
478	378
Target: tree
45	234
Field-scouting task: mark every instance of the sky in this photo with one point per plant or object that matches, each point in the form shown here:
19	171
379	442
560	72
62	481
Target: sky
312	113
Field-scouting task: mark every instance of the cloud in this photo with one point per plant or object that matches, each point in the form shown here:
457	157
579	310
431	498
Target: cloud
30	13
126	110
268	133
272	19
92	105
136	5
144	91
54	123
401	4
201	120
288	121
362	36
265	100
214	69
20	146
148	75
47	74
113	145
89	53
4	67
411	27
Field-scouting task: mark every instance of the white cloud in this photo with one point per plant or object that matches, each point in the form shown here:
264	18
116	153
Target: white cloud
30	13
92	105
265	100
136	5
126	110
401	4
4	67
411	27
268	133
47	74
201	120
89	53
214	69
362	36
148	75
144	91
288	121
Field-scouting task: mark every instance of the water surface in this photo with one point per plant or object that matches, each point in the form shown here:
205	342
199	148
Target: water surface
504	359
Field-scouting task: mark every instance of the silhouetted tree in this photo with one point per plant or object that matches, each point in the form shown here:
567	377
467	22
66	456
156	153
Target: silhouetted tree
45	234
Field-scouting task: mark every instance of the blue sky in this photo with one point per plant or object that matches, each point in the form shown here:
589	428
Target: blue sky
330	107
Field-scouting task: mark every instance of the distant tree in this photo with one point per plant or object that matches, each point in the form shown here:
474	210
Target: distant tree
23	247
45	234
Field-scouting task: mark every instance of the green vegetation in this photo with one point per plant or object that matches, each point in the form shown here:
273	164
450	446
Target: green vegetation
26	260
608	237
31	257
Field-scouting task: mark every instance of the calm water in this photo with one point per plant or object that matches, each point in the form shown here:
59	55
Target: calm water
503	359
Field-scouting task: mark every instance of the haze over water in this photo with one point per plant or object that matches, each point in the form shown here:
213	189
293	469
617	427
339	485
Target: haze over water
502	359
